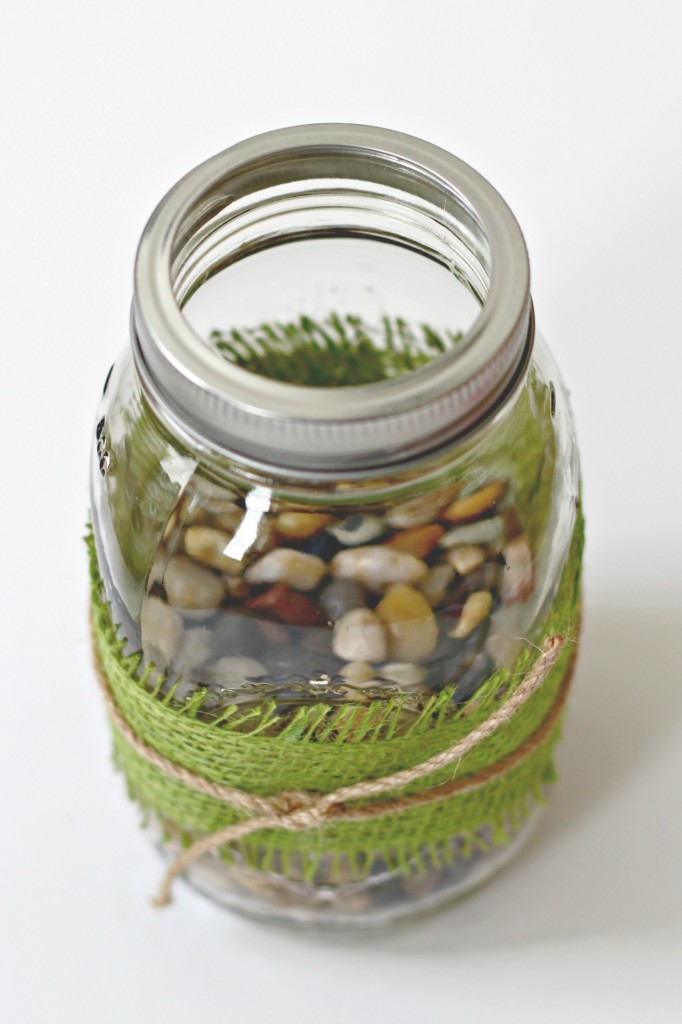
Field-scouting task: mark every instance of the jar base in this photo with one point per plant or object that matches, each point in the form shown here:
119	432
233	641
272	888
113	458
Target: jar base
379	902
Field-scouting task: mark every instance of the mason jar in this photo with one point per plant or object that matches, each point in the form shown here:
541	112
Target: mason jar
335	516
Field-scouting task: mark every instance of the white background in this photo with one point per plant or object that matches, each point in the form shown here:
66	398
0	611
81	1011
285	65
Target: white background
573	110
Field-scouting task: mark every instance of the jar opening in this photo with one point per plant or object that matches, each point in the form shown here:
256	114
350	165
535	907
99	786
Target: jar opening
330	297
333	310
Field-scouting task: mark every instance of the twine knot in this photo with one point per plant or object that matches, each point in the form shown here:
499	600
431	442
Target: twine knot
296	811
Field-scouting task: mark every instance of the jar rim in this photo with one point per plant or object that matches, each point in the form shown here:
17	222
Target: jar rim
266	422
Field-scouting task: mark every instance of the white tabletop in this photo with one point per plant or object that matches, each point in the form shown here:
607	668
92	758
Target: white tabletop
573	111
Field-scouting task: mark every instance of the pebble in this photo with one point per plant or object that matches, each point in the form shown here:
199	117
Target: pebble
207	545
435	583
236	588
418	541
358	672
286	565
359	636
188	585
287	605
484	531
411	626
300	525
358	529
195	650
162	631
376	566
324	545
505	639
518	576
341	596
405	673
233	672
476	608
422	510
472	506
465	558
228	517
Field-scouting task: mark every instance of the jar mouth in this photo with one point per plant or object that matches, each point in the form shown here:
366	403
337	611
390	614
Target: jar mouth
320	181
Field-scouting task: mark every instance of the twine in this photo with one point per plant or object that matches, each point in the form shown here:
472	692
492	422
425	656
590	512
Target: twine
296	810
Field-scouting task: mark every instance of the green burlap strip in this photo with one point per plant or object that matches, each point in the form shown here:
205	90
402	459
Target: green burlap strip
323	748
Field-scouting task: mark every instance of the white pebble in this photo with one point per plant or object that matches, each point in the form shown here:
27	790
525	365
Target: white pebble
358	672
518	577
435	583
188	585
195	651
210	546
162	632
465	558
359	636
484	531
377	566
286	565
405	673
234	671
358	529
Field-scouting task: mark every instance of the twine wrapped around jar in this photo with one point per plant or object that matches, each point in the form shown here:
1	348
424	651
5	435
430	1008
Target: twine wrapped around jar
245	782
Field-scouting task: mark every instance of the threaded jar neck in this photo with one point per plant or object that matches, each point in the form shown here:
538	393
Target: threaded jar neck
336	182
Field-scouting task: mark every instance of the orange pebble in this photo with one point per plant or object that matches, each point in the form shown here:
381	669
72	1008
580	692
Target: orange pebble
287	605
478	504
418	541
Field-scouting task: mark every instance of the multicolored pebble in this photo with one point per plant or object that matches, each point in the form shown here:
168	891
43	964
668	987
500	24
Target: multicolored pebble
475	505
476	608
418	541
518	577
287	605
435	583
465	558
377	566
287	565
358	529
233	672
405	673
359	636
411	627
190	586
162	632
301	525
207	545
483	531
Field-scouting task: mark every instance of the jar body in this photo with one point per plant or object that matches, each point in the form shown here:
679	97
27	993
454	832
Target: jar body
310	633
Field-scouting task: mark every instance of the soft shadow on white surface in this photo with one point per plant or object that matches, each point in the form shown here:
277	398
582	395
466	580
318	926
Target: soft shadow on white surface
603	858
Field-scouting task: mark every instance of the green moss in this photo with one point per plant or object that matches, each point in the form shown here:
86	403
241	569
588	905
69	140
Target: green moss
335	352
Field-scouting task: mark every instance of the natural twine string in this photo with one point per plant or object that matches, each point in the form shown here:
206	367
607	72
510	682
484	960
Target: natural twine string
296	810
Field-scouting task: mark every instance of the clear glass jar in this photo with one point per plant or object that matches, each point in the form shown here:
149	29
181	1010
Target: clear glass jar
335	509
